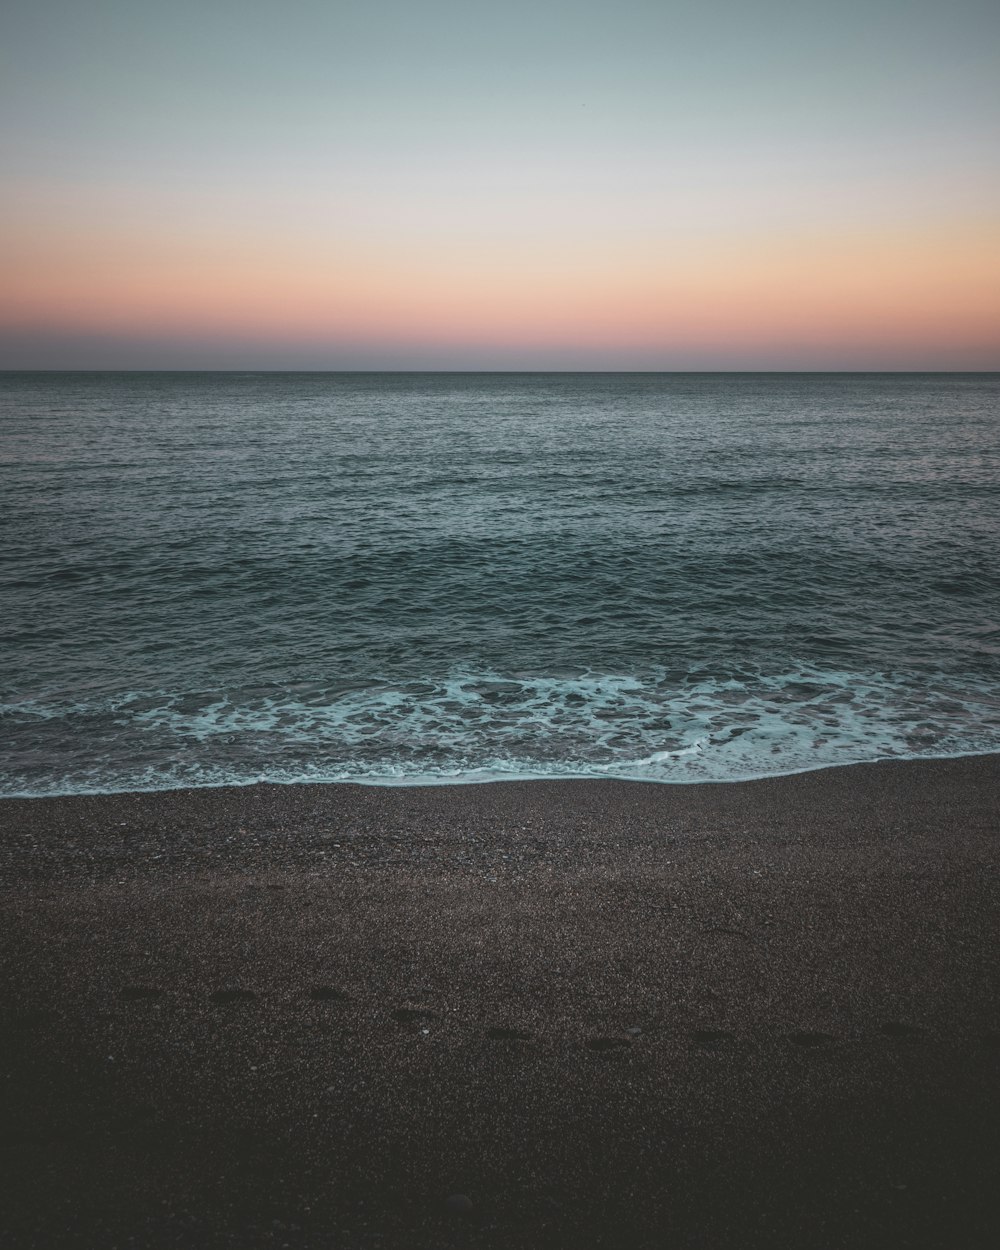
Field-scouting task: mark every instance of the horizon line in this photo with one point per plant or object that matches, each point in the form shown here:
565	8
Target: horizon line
534	372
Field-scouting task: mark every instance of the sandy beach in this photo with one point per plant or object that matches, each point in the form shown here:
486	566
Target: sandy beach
536	1014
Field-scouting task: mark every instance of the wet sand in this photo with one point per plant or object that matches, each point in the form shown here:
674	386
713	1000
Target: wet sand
539	1014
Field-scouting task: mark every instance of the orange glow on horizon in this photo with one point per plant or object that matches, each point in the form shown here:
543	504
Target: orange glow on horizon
915	289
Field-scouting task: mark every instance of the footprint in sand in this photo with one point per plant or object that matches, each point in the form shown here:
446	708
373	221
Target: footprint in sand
233	996
903	1032
134	993
34	1019
501	1033
711	1039
606	1045
414	1015
807	1039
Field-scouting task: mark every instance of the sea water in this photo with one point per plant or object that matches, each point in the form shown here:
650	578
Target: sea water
212	578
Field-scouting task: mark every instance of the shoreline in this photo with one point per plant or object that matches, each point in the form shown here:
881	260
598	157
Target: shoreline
292	824
419	783
608	1014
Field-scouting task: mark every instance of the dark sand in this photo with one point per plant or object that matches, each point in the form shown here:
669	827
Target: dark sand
605	1014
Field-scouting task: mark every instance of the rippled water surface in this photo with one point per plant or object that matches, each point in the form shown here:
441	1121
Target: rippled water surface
212	578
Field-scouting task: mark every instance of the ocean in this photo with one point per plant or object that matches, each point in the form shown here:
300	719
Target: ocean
218	578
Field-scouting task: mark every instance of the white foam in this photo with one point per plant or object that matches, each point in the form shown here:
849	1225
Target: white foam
485	726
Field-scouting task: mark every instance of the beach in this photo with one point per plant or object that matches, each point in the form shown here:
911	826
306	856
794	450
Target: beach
580	1013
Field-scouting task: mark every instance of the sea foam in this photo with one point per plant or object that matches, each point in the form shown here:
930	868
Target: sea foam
472	727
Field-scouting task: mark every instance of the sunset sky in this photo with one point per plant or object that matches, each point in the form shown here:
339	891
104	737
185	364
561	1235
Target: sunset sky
759	184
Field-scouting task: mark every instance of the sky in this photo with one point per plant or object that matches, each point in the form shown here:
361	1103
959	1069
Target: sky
537	184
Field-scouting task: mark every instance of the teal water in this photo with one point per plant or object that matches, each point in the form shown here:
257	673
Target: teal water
214	578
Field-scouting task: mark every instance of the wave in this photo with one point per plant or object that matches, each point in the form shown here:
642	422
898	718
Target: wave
469	726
